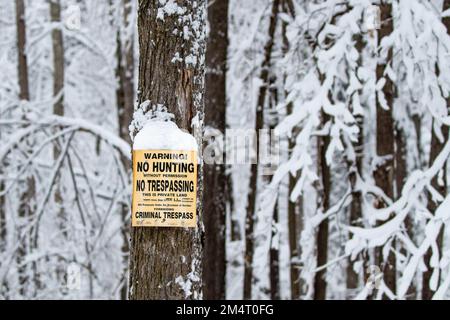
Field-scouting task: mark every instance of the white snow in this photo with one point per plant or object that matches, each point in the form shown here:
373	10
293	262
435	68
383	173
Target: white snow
169	8
163	135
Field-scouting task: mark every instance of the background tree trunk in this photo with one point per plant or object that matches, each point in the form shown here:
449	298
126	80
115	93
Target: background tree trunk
352	280
22	64
274	253
294	210
253	186
384	174
320	283
58	94
4	288
401	174
58	59
27	205
215	177
58	109
274	258
163	259
355	171
125	105
436	148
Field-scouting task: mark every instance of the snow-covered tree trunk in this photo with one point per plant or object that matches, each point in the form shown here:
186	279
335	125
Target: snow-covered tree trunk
295	216
166	263
125	70
385	135
125	102
215	176
58	109
27	187
437	146
58	59
58	94
274	252
320	282
3	237
294	208
355	167
253	185
401	174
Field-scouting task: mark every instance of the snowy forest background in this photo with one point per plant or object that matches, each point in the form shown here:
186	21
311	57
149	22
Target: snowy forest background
357	207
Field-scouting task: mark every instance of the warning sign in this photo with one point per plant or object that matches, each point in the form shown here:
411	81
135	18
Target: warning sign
164	188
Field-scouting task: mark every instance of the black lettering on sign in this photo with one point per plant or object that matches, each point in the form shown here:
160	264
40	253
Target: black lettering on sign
165	188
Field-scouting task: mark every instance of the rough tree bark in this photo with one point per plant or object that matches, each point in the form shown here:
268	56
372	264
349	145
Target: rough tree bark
165	263
125	101
385	135
253	185
215	177
436	148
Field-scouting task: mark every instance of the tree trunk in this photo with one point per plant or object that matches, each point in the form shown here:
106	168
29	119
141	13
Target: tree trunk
58	59
22	65
125	105
4	288
436	148
58	94
293	232
401	167
355	171
293	217
165	263
253	186
274	252
235	232
27	205
320	283
274	259
384	174
215	177
352	280
58	109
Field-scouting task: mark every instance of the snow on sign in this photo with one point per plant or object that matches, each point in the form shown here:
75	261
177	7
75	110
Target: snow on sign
164	179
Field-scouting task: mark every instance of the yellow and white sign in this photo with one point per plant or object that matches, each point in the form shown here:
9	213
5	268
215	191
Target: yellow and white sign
164	188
